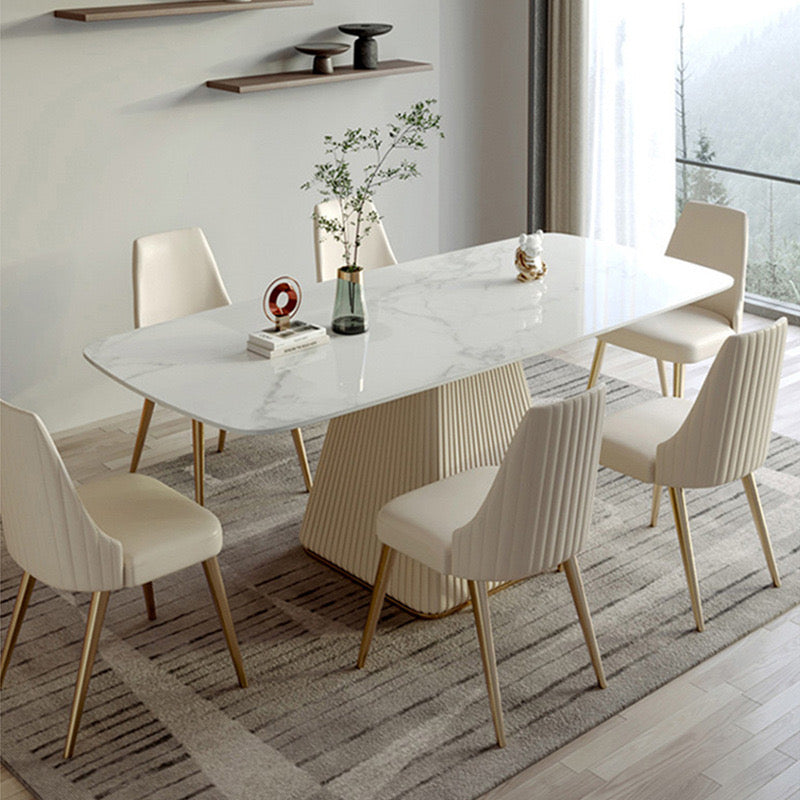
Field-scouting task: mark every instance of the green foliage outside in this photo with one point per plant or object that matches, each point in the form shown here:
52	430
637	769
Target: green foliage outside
779	277
704	184
739	107
773	268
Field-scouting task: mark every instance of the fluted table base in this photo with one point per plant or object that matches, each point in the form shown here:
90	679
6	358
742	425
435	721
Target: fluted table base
373	455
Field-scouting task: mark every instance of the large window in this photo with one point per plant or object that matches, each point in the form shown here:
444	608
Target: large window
738	121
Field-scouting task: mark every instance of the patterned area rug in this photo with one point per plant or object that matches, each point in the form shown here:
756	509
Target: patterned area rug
164	717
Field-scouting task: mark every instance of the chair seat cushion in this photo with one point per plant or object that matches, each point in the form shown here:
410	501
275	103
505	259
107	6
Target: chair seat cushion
631	437
683	336
421	523
160	530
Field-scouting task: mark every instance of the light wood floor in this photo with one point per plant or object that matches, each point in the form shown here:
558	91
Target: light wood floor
729	729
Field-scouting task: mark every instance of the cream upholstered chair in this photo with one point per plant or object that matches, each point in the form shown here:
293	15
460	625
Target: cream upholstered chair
375	251
120	531
174	275
712	236
722	437
504	523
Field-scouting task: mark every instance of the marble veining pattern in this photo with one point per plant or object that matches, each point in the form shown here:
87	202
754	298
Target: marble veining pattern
432	320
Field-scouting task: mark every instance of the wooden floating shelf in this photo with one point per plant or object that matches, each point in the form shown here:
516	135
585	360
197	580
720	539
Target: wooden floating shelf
143	10
286	80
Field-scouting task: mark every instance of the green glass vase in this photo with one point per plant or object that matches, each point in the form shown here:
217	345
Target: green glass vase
349	307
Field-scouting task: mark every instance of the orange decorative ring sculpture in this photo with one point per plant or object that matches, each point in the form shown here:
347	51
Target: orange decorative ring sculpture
282	301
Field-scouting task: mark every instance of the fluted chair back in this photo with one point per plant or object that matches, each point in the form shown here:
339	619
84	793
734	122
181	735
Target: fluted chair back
539	507
47	530
374	251
174	275
726	434
716	237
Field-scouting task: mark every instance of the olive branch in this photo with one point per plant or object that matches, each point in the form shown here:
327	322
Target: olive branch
334	178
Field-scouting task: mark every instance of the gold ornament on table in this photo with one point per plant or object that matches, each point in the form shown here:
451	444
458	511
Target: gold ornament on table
528	257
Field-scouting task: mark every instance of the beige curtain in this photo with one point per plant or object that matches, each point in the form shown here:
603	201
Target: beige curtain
567	100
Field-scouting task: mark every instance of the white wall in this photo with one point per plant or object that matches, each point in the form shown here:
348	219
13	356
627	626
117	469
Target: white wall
484	99
109	133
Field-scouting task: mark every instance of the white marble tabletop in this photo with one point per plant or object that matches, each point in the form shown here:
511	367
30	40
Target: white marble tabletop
431	321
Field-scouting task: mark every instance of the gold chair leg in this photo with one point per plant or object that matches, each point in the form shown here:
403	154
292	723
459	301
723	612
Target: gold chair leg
94	624
654	509
299	445
221	440
141	435
662	377
597	362
17	615
678	500
199	452
757	511
217	589
483	625
149	600
585	618
376	604
678	379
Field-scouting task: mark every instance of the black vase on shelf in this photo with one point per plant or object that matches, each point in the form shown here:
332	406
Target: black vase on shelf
365	50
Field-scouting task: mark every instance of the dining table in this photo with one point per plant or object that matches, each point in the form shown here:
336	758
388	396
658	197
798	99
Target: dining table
435	386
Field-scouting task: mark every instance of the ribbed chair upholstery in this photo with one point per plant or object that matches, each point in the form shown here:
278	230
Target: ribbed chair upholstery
174	275
527	516
712	236
374	251
722	437
117	532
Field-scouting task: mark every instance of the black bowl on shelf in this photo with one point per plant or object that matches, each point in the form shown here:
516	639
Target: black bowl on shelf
322	52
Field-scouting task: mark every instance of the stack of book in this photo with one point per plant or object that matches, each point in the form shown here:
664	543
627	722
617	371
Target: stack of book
271	343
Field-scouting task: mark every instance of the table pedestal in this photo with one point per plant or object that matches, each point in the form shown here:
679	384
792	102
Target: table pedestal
373	455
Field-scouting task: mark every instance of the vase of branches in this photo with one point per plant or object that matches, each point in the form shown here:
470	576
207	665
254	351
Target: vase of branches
380	153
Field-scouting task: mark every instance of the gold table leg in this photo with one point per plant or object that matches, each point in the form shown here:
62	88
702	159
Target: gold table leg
300	447
198	449
141	434
597	362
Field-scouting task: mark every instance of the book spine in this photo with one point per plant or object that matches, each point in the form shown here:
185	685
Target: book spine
292	348
271	343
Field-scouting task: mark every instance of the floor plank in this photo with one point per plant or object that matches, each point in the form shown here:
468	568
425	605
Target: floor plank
742	758
781	786
744	782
